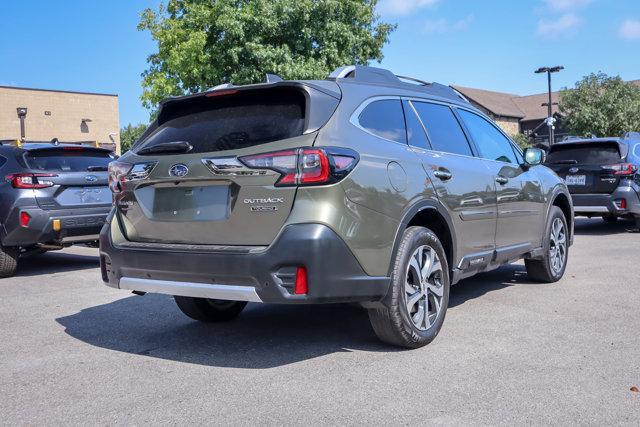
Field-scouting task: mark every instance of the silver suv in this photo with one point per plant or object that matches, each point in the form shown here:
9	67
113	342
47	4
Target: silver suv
363	187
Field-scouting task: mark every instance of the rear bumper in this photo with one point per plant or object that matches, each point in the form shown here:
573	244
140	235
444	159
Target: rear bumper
261	274
604	204
76	225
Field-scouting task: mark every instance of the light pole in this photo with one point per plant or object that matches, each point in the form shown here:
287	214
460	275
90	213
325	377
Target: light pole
550	119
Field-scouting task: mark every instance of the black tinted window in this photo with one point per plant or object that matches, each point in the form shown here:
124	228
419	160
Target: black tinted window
72	160
415	131
445	133
594	153
491	143
231	122
385	119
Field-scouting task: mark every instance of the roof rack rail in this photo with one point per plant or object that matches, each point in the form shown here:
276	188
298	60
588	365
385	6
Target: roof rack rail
382	76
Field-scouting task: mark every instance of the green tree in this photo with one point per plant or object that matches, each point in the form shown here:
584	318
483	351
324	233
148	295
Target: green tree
130	134
522	140
601	105
205	43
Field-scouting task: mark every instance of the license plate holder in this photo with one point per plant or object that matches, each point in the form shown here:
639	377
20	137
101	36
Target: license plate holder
576	180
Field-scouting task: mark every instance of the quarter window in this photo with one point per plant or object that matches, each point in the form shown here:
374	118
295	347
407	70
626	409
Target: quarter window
384	118
443	129
491	143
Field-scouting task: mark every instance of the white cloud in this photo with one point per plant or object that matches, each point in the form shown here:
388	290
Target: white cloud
402	7
562	26
566	5
630	29
441	26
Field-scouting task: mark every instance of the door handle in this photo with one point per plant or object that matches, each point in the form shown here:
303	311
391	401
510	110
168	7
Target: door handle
443	175
501	179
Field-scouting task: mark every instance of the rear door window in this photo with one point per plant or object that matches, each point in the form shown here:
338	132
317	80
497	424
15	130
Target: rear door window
384	118
491	143
68	160
218	122
592	153
443	129
415	132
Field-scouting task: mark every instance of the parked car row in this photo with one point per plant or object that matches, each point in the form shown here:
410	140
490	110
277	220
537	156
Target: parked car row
365	187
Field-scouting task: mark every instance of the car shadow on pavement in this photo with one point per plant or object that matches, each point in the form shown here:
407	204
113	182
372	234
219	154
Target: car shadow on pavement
55	262
483	283
263	336
597	227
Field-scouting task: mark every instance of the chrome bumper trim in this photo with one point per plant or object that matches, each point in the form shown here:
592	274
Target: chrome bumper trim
591	209
190	289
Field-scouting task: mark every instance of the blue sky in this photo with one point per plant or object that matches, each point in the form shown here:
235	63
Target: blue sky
491	44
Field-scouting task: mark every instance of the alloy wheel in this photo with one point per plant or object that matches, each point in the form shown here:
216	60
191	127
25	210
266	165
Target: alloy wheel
558	245
423	287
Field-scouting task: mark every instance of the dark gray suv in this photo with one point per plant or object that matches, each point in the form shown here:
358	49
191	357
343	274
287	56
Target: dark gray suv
363	187
51	196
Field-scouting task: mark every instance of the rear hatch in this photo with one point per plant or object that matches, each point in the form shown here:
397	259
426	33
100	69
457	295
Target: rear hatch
188	181
74	176
588	167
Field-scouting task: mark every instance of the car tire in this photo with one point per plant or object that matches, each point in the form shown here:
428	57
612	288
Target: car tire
8	261
209	310
415	308
551	267
609	218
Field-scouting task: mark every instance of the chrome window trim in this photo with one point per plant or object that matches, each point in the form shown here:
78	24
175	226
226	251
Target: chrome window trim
355	116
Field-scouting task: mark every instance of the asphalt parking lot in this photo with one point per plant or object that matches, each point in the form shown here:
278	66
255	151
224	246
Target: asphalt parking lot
75	352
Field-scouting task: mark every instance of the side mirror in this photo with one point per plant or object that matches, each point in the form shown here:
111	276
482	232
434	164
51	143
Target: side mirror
534	156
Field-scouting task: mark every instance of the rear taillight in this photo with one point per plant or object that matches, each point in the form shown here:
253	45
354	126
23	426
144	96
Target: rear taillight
621	203
301	286
305	166
30	180
621	168
117	173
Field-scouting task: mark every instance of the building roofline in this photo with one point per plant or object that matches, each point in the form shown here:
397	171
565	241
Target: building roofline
58	91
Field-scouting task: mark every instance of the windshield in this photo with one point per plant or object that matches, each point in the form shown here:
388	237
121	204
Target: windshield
68	160
594	153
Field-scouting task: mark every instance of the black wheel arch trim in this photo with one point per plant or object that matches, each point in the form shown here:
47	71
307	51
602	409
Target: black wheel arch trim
414	210
557	190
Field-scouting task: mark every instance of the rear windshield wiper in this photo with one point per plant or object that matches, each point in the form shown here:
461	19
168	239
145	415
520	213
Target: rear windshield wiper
97	168
565	162
167	147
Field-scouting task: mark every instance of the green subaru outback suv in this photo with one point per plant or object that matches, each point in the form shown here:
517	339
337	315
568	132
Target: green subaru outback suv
364	187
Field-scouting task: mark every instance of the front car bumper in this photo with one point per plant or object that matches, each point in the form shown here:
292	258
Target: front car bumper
605	204
242	273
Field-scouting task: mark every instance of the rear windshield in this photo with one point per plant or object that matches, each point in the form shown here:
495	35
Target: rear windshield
589	154
68	160
232	122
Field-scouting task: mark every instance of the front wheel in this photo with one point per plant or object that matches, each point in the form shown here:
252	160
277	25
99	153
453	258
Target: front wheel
556	250
419	294
209	310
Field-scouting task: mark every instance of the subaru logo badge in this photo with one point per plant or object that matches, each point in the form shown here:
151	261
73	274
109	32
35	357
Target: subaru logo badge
178	170
574	170
91	178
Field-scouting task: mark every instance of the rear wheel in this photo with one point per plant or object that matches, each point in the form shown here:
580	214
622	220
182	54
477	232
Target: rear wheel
8	261
556	250
209	310
419	292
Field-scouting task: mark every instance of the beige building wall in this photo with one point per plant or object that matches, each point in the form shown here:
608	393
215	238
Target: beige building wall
68	116
510	125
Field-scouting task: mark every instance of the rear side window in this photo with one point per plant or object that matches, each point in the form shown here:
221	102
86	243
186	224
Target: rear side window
415	131
233	121
443	128
491	143
591	153
61	160
384	118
